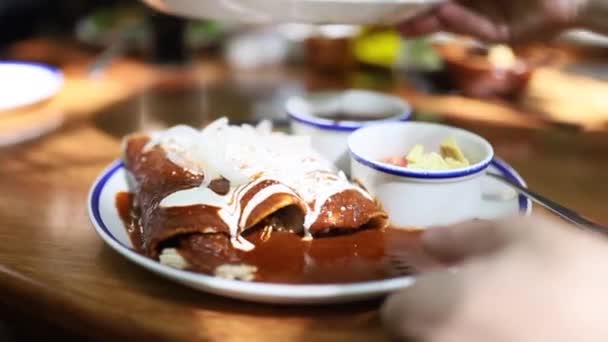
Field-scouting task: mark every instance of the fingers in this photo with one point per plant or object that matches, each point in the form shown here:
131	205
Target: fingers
418	311
455	243
462	20
421	25
441	306
459	19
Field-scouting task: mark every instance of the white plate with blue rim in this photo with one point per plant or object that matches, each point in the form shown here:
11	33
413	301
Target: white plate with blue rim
499	200
27	83
302	11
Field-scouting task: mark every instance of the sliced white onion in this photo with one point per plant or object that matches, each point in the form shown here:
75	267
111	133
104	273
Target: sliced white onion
212	150
264	127
182	136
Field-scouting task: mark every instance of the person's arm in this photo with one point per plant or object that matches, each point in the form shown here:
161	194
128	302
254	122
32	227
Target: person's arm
510	21
594	16
517	280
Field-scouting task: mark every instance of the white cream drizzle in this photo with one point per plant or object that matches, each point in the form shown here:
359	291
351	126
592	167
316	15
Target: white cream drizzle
183	197
260	197
247	156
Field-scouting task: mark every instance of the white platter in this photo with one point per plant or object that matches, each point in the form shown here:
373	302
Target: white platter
27	83
302	11
105	218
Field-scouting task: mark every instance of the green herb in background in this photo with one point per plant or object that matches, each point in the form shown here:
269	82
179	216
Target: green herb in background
371	79
419	54
102	18
427	116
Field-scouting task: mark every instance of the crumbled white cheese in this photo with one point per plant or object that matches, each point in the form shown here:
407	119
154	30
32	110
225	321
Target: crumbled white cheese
171	257
236	272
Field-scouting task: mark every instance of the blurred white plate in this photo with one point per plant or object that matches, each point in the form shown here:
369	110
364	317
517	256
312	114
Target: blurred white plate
26	83
107	223
584	37
302	11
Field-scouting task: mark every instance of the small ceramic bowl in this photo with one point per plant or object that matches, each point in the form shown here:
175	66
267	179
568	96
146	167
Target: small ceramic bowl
330	117
419	198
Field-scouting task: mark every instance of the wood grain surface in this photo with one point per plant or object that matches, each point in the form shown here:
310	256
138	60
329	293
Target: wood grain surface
54	267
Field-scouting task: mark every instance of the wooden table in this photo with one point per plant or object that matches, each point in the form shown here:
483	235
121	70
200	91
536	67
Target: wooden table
54	268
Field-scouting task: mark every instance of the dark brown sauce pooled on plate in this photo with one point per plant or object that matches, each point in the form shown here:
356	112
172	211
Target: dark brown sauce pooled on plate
130	214
284	257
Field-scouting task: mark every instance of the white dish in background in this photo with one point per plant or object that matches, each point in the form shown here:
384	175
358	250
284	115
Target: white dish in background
304	11
27	83
415	197
107	223
584	37
311	115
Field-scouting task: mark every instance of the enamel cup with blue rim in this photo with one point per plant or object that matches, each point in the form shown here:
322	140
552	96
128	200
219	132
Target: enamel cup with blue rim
330	117
416	198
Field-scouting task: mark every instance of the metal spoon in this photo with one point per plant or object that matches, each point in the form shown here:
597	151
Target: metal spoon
558	209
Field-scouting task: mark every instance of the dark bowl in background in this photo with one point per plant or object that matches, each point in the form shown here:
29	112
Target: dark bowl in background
334	55
472	73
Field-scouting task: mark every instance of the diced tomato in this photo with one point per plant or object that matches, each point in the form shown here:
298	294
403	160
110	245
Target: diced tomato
398	161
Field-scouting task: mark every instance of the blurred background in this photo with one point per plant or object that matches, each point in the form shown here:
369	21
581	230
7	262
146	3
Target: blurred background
259	66
125	67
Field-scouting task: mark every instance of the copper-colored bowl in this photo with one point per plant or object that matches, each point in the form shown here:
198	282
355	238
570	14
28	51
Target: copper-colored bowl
472	73
330	54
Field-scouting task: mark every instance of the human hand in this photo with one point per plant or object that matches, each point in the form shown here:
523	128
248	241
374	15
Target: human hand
519	280
499	20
